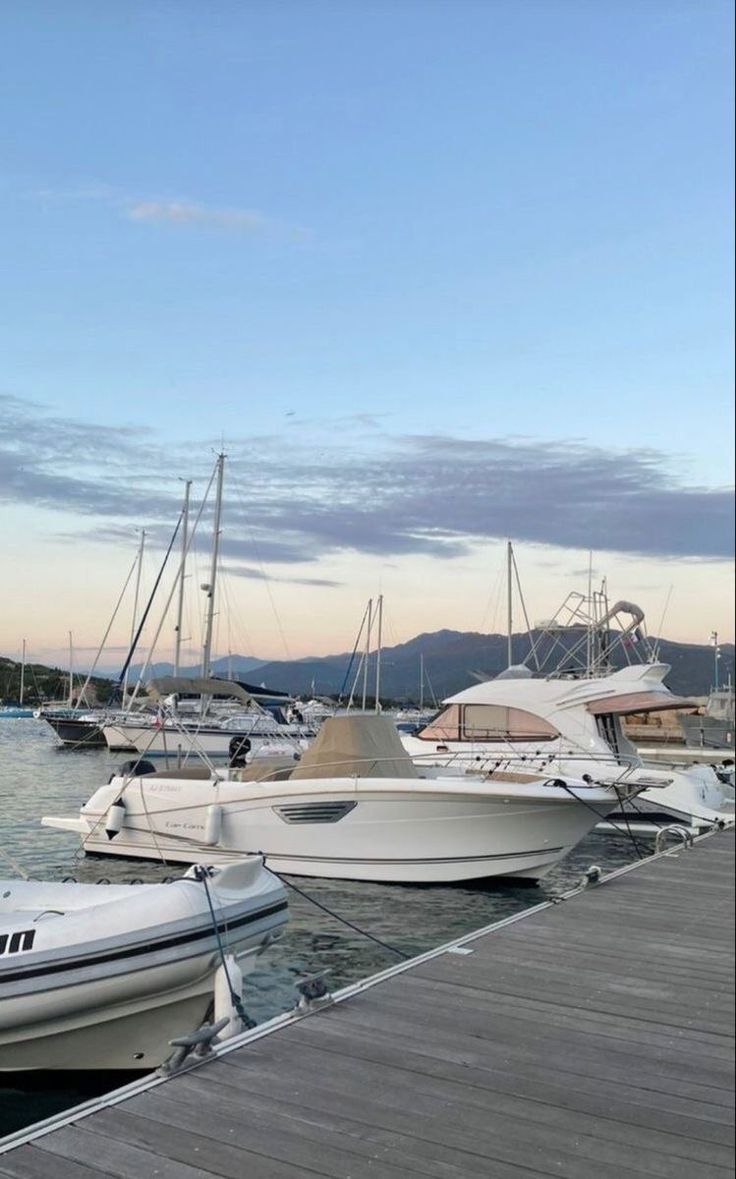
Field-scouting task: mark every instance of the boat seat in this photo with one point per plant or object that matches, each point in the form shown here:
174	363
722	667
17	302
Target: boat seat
265	769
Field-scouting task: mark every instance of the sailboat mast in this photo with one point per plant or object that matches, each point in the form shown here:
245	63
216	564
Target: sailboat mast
421	683
182	568
509	603
22	673
379	638
367	652
71	670
207	646
136	594
589	653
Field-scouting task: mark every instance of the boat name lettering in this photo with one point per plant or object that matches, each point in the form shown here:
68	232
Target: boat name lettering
14	943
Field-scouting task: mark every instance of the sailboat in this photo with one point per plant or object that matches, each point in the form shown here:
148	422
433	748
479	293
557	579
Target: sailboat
18	710
212	729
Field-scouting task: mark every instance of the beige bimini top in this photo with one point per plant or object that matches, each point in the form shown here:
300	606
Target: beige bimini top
361	745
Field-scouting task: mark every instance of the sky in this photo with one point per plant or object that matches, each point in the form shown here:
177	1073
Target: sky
432	274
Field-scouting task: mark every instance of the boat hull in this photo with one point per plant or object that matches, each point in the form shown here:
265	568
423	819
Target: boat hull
177	744
78	733
355	830
115	1001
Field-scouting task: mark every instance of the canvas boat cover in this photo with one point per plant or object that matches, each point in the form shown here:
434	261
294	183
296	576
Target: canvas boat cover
170	685
363	746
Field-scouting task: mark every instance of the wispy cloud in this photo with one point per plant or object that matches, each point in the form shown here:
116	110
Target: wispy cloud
184	213
389	496
181	213
261	575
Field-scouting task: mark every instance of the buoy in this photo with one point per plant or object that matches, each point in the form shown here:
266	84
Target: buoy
228	982
115	818
213	825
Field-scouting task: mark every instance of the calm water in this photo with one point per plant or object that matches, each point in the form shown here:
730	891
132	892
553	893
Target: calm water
38	776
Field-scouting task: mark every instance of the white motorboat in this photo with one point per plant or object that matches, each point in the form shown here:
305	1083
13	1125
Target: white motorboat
104	976
560	726
712	727
355	807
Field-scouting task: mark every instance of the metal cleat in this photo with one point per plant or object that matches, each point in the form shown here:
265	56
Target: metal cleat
313	992
193	1048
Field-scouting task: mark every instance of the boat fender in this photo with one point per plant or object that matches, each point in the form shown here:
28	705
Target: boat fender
228	987
115	818
213	825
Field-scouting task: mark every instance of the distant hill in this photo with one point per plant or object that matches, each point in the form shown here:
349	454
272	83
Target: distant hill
238	665
455	659
452	660
42	684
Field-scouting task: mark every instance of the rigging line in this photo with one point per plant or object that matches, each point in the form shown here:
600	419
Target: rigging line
14	864
601	818
655	652
149	603
352	657
201	874
700	818
494	592
532	643
336	916
265	577
107	632
175	582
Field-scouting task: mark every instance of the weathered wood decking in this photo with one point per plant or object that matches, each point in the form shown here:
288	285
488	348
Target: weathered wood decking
594	1038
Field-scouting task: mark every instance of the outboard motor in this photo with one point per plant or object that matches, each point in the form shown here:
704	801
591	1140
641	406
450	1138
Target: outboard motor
136	769
237	751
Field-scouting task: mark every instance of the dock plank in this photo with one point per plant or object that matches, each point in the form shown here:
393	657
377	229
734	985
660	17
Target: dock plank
592	1037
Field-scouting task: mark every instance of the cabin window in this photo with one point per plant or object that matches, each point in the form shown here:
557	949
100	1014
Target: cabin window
487	722
608	729
493	722
445	727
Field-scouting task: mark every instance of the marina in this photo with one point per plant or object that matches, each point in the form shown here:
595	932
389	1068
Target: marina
594	1033
367	663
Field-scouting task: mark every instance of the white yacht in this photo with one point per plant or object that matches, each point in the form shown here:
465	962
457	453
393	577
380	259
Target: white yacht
355	807
560	726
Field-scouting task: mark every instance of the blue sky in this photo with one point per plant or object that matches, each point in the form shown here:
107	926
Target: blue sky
370	236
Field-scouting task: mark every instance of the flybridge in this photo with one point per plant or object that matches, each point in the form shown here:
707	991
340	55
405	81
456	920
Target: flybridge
548	693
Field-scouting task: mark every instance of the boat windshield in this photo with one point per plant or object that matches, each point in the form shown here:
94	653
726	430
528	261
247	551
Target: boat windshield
487	722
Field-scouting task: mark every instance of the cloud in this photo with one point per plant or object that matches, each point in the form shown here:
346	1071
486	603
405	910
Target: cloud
188	213
261	575
398	495
181	213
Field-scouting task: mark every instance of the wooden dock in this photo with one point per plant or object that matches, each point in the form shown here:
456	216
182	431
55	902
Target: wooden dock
590	1038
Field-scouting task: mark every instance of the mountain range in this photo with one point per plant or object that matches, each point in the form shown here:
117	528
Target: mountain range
451	660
